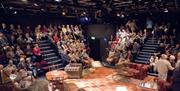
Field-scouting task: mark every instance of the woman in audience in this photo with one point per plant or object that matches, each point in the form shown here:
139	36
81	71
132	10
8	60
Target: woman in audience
37	53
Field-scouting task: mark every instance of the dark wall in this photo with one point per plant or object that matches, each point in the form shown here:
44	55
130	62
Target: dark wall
35	19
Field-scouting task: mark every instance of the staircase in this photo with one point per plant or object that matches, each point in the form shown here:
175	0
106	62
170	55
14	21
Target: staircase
149	48
49	55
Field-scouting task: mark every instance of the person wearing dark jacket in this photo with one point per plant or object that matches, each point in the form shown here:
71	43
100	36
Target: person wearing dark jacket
176	78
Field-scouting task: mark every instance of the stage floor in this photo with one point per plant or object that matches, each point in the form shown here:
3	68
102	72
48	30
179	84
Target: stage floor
101	80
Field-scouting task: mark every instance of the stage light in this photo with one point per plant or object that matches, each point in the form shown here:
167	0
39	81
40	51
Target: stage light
93	38
15	12
57	0
35	4
84	13
122	15
118	14
63	13
166	10
10	7
86	18
24	0
121	89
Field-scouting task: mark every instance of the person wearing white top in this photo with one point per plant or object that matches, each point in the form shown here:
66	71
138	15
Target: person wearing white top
163	66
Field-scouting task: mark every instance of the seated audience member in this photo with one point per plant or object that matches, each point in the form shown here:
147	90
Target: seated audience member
86	59
176	49
19	52
176	78
56	38
28	39
22	64
28	51
3	41
10	67
163	66
37	53
111	56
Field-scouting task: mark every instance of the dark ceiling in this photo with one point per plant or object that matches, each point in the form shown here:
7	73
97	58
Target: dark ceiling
86	7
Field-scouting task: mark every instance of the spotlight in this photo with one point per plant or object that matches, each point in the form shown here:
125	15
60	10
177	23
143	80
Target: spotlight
24	0
166	10
58	0
10	7
84	13
35	4
15	12
86	18
63	13
118	14
122	15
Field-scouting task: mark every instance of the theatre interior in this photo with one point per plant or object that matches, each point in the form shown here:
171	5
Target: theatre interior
89	45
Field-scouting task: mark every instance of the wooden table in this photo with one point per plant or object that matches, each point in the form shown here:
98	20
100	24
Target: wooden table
56	79
56	74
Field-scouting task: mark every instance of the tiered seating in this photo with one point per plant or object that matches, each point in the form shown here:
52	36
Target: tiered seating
49	55
149	48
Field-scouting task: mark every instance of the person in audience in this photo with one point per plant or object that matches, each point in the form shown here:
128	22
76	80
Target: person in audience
38	32
19	52
176	49
22	64
153	60
19	30
176	78
10	67
28	51
37	53
3	41
163	66
56	38
28	39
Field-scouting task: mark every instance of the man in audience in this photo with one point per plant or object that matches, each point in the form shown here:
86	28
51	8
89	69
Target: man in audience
176	78
163	66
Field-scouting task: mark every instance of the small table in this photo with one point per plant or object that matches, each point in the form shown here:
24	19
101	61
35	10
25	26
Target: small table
57	77
51	75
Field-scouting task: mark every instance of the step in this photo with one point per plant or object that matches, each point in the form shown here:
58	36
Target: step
151	45
152	74
152	38
154	43
143	59
147	50
147	53
145	56
45	48
45	44
43	41
55	66
50	54
152	48
51	58
140	61
54	62
47	51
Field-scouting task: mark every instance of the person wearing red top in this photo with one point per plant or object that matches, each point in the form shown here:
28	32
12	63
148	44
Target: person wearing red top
56	38
37	52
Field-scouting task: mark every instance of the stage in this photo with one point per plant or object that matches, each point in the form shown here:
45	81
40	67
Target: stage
101	79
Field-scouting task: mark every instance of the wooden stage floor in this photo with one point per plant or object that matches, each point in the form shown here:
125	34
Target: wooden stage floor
101	80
